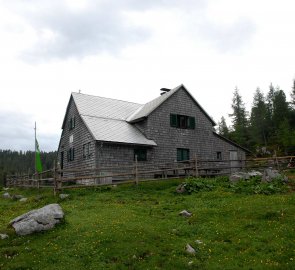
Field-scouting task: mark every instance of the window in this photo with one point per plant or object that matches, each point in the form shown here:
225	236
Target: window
182	154
71	154
141	154
182	121
218	156
71	139
72	123
86	150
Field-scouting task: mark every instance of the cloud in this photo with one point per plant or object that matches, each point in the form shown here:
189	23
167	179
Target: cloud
62	31
17	133
228	37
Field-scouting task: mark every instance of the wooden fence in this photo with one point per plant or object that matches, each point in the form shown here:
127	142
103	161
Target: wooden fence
80	177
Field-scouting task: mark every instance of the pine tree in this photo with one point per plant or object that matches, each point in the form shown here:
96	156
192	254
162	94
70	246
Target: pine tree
223	128
239	119
258	120
293	94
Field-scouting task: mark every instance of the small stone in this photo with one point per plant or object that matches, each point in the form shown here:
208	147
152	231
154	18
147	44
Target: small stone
17	197
185	213
6	195
23	199
198	242
4	236
114	186
189	249
190	263
63	196
134	257
180	189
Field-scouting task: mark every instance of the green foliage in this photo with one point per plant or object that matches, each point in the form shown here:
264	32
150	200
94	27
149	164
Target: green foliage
139	227
251	186
270	126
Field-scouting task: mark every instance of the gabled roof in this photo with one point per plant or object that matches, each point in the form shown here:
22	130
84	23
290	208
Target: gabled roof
104	107
149	107
112	130
105	119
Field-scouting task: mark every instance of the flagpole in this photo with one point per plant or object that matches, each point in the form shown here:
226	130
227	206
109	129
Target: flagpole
35	150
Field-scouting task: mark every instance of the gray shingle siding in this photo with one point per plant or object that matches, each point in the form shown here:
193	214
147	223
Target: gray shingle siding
81	136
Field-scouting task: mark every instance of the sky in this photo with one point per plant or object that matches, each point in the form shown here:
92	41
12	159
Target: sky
130	49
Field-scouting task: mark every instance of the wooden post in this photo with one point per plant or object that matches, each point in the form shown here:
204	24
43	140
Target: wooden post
136	171
54	179
196	166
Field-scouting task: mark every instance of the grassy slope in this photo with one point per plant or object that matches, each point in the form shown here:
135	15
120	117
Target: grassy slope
131	227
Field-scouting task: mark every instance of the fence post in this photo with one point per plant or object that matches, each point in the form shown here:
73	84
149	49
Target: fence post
54	179
196	166
136	171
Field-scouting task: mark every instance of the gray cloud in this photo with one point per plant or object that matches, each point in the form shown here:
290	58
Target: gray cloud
17	133
101	27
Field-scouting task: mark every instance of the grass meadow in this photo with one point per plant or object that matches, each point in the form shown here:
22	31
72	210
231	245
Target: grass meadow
139	227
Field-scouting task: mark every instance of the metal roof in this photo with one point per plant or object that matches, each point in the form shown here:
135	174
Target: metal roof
104	107
113	130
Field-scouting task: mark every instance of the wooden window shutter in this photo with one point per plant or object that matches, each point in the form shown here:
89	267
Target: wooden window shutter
192	123
173	120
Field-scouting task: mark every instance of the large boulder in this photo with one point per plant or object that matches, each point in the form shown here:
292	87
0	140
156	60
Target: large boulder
271	174
41	219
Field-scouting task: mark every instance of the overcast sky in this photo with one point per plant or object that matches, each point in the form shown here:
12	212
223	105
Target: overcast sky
130	49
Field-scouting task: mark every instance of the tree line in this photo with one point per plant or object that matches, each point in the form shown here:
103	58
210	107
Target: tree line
268	127
13	162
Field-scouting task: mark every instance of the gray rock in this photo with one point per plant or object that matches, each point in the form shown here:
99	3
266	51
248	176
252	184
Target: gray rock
254	173
23	199
270	174
189	249
63	196
17	197
198	242
180	189
185	213
41	219
6	195
4	236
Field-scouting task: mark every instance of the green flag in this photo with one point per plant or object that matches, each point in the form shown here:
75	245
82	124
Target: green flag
38	159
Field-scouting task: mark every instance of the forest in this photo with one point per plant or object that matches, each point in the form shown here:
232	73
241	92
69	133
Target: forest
12	162
268	128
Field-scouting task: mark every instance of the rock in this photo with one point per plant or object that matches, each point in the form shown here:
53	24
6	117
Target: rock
190	263
237	176
254	173
114	186
17	197
23	199
4	236
180	189
6	195
198	242
39	198
37	220
189	249
185	213
270	174
63	196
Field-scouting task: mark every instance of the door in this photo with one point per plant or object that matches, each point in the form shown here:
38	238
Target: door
234	162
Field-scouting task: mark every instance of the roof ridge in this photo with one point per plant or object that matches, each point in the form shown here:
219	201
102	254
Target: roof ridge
106	98
100	117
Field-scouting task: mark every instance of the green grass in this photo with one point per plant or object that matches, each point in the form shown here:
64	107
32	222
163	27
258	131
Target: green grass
138	227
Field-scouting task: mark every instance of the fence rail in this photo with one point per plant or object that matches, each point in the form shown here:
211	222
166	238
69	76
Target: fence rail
58	179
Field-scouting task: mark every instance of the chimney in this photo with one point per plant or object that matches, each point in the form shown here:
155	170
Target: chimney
164	90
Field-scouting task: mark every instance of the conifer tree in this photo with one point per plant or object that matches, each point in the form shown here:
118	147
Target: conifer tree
239	119
223	128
